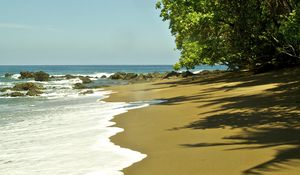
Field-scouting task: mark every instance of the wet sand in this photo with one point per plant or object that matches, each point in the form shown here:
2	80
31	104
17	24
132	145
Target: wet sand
221	124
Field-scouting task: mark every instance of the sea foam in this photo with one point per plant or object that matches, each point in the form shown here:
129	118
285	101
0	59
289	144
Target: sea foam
65	136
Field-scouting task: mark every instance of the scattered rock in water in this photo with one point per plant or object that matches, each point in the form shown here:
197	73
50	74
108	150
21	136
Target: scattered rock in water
157	75
86	92
41	76
79	86
68	76
171	74
85	80
8	75
118	76
16	94
26	75
103	76
187	74
141	77
34	92
5	89
130	76
26	86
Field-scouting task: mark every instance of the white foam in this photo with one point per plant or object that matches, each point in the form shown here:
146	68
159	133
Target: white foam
16	76
197	71
65	139
94	76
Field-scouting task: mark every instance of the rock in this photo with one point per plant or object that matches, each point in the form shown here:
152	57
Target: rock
79	86
26	86
171	74
187	74
5	89
85	80
41	76
118	76
68	76
26	74
130	76
103	76
8	75
34	92
86	92
157	75
16	94
141	77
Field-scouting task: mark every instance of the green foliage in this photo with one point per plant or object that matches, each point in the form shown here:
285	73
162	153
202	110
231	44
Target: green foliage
240	34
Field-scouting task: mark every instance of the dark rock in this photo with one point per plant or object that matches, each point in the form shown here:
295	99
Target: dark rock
5	89
41	76
187	74
26	74
86	92
141	77
85	80
26	86
79	86
118	76
204	72
157	75
130	76
103	76
34	92
8	75
68	76
171	74
16	94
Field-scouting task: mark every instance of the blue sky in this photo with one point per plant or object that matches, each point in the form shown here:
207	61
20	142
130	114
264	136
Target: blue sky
84	32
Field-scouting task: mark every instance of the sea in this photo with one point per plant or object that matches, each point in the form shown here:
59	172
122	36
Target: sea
62	131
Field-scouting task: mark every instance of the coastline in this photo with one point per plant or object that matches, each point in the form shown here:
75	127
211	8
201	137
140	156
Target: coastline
221	124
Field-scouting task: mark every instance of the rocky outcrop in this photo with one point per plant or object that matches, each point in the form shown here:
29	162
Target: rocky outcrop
37	76
171	74
34	92
85	80
118	76
140	77
5	89
103	76
41	76
187	74
68	76
79	86
26	75
18	90
16	94
8	75
130	76
26	87
86	92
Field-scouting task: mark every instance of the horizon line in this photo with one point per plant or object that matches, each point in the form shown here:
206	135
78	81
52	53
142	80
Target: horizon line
86	64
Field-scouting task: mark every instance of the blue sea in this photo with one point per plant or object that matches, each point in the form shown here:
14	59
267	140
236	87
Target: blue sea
63	132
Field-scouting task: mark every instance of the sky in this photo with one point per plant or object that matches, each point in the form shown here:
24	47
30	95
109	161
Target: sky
89	32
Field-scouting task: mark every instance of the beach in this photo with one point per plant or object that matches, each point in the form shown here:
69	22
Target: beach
223	123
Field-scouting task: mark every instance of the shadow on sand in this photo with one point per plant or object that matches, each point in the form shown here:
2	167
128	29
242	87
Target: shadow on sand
268	120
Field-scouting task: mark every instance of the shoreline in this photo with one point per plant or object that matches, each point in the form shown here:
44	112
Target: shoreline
220	124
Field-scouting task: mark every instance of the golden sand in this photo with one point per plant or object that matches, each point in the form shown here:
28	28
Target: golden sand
221	124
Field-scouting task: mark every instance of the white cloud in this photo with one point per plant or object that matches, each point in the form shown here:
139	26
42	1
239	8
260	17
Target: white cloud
24	27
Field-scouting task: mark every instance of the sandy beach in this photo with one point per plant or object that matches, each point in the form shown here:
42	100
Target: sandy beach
220	124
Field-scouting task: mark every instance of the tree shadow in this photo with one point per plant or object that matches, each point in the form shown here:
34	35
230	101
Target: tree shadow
270	119
264	138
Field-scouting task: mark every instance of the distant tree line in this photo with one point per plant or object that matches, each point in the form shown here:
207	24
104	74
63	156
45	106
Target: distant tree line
242	34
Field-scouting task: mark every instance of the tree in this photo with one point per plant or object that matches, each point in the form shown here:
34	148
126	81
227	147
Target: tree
237	33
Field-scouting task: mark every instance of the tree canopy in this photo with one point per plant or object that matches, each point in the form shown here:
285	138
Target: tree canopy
240	34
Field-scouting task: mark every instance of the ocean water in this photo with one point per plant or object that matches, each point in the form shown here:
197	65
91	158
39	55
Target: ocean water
63	132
